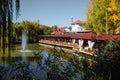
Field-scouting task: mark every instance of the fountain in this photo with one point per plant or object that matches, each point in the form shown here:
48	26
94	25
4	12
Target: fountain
24	48
24	43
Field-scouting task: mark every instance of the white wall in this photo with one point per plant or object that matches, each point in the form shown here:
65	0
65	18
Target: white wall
77	27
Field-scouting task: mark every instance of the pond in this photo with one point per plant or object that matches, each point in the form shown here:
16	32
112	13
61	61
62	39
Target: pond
36	63
15	53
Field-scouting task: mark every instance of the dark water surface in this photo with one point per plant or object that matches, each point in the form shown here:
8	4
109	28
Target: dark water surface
36	63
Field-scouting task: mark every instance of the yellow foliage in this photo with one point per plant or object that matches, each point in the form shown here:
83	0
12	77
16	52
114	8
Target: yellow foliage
112	6
114	17
117	30
110	10
112	3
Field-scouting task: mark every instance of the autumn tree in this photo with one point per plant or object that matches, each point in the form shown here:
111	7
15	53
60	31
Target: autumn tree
103	16
114	11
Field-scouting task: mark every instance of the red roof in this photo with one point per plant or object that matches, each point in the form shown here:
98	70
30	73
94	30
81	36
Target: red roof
96	37
58	31
116	37
91	36
108	37
85	36
104	37
78	22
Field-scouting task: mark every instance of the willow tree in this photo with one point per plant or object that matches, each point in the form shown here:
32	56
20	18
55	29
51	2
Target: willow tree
6	16
99	17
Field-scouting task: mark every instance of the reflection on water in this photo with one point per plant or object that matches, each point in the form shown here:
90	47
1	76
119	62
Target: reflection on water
15	53
41	65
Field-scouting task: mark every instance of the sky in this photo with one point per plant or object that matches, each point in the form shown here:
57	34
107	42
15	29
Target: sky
53	12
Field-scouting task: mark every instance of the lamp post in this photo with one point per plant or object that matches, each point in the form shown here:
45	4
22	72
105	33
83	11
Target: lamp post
71	22
71	19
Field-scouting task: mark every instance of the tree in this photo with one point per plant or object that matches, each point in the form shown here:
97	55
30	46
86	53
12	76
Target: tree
114	10
54	27
6	15
32	28
103	16
111	54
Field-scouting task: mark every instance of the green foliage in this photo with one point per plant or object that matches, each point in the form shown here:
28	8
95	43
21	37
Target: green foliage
33	29
6	14
100	19
112	50
108	63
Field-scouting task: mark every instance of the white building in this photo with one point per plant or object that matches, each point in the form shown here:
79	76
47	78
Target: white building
66	29
78	26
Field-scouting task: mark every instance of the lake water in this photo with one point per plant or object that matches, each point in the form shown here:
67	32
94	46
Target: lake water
36	63
15	54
